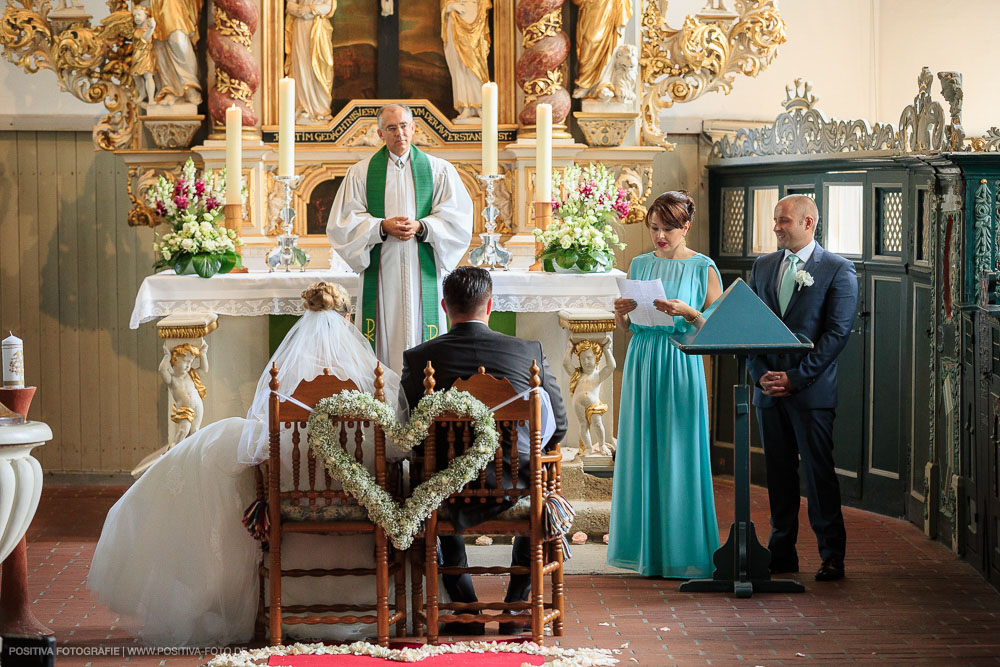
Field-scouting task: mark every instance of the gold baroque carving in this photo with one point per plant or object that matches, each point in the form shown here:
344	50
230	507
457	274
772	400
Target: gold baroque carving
92	63
233	87
541	87
232	28
140	179
188	332
549	24
588	326
704	55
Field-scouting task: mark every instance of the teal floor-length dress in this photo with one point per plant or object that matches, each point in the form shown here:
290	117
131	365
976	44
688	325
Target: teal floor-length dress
662	509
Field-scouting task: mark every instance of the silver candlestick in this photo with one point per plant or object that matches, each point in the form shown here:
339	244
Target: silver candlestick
286	252
490	252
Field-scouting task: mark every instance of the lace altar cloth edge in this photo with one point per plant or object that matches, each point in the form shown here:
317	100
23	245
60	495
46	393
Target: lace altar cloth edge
279	293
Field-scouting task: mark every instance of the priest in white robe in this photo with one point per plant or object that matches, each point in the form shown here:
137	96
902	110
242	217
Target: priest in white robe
402	219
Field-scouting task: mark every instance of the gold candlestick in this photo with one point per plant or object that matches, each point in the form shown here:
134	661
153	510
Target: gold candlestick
234	218
543	216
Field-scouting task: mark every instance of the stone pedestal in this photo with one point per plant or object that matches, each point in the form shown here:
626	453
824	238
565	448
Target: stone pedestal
20	490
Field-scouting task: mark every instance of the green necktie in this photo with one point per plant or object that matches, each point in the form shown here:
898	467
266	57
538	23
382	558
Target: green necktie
787	286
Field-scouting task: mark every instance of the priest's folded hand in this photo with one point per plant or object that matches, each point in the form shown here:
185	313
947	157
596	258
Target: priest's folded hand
401	227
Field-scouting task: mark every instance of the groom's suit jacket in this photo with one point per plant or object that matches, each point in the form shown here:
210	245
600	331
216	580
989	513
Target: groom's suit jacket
458	354
824	312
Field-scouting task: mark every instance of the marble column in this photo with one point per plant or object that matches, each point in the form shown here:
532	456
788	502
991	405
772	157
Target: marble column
540	68
237	73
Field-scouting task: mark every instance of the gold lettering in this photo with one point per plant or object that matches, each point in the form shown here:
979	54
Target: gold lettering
370	329
432	331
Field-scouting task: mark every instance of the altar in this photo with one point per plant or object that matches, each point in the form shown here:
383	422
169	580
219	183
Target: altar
228	312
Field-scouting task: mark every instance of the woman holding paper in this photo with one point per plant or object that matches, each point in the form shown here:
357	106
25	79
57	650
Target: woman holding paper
662	509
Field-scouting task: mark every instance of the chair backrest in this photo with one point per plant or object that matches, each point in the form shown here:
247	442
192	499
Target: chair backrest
287	415
453	434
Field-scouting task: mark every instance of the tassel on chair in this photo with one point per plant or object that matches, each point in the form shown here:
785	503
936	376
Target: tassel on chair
256	520
557	516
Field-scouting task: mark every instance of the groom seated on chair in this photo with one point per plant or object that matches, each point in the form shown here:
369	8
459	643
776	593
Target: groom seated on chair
459	353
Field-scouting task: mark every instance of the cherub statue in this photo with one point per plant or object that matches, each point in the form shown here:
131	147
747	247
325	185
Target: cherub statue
142	54
585	387
179	370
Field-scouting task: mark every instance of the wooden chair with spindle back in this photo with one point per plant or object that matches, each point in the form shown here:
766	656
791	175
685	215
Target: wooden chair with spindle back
525	518
314	503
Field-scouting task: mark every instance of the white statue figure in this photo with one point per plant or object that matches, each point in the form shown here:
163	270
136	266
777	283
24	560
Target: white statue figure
585	387
625	73
142	54
179	370
174	38
309	57
465	32
387	7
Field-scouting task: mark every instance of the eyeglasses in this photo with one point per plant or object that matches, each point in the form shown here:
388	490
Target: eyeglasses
402	127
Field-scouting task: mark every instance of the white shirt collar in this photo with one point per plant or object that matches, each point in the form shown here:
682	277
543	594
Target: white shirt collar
400	158
803	254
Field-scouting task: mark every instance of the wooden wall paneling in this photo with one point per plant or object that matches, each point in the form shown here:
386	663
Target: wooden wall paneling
111	322
10	261
37	212
27	210
151	388
90	399
62	152
128	341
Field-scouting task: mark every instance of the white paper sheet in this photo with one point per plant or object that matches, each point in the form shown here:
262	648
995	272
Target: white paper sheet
644	292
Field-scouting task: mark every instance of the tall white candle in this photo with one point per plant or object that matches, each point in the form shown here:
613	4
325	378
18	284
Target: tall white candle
234	154
13	362
489	128
286	127
543	154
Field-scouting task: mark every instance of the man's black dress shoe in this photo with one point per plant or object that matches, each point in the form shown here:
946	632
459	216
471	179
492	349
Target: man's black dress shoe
463	629
783	567
832	569
516	627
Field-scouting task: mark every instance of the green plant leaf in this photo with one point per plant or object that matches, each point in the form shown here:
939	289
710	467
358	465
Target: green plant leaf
181	264
300	256
227	261
206	265
567	258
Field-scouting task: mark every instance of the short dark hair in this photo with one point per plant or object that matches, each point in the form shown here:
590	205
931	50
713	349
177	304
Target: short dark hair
673	209
466	290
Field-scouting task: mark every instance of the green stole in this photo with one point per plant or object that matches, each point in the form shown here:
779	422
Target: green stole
423	185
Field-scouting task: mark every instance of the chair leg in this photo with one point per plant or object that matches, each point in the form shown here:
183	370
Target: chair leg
259	625
558	589
274	590
431	577
416	588
399	558
537	591
382	587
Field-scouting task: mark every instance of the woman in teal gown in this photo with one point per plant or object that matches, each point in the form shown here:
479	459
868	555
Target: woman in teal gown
662	509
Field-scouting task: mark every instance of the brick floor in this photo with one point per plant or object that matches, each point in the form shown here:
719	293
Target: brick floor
906	600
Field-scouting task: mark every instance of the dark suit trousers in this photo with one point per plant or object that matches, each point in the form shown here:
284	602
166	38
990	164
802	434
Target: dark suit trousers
788	433
460	588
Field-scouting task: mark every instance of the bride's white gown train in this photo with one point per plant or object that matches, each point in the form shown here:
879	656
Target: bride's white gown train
174	558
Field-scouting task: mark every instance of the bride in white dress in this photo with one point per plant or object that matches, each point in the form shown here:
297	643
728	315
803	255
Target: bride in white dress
174	558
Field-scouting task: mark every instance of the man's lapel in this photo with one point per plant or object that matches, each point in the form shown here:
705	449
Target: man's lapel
810	267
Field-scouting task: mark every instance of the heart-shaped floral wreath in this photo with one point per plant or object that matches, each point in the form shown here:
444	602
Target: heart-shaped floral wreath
401	523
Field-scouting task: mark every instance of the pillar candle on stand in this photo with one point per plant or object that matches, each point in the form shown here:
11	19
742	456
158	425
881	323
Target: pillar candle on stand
234	154
13	362
286	127
489	128
543	153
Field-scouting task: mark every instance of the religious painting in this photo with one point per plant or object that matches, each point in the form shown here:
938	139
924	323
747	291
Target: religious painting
423	70
320	203
355	51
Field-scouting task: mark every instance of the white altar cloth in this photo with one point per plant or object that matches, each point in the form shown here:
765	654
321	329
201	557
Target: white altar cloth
279	293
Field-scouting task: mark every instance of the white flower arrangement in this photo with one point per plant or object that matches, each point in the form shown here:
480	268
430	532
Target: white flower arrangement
803	277
583	231
193	205
401	523
562	657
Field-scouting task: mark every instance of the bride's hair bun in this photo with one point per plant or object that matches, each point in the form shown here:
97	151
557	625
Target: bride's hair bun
326	296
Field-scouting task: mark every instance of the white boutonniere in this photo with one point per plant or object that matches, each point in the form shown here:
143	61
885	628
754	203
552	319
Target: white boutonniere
803	278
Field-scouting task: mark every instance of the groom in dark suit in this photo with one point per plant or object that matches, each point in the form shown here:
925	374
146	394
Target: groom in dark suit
469	344
815	293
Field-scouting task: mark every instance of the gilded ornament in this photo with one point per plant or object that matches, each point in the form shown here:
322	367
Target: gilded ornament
543	86
92	63
704	55
235	88
198	331
549	24
236	30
